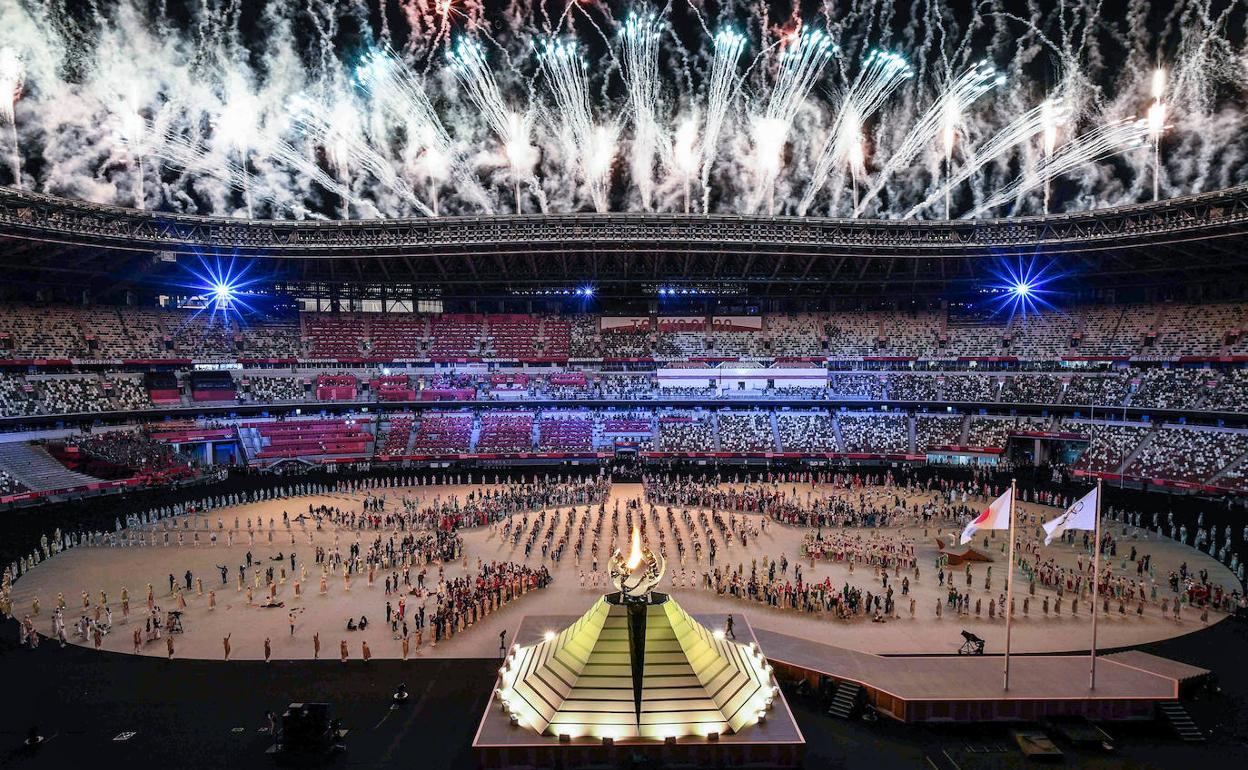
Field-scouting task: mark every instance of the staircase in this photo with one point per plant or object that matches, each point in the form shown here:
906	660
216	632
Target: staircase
836	428
911	440
775	432
1177	717
37	470
1236	463
845	700
1134	453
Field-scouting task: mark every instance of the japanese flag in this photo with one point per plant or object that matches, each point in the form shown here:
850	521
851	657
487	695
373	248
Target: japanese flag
1081	515
997	516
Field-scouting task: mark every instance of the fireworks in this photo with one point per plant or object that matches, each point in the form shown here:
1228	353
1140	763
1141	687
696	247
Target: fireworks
881	73
1099	143
802	59
11	75
512	129
639	49
721	89
845	111
943	117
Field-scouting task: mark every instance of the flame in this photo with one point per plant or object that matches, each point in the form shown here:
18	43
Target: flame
634	556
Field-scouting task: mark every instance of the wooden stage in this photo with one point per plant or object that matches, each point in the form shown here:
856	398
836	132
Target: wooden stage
776	742
958	688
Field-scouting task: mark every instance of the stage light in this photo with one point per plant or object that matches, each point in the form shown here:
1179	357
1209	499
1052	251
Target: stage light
1022	287
218	287
223	295
586	291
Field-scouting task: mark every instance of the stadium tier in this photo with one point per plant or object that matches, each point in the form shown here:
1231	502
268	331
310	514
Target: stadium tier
1159	332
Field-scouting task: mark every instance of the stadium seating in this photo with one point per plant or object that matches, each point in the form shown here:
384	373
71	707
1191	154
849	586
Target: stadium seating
335	336
394	437
993	432
565	432
1190	455
1150	332
312	438
398	337
874	433
686	432
746	432
506	432
1110	445
932	431
455	336
270	389
443	433
806	432
1170	388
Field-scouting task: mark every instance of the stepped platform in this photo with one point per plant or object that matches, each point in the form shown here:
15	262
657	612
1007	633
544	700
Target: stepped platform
776	742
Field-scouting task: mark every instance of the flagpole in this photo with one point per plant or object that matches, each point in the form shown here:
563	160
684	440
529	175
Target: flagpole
1096	579
1009	584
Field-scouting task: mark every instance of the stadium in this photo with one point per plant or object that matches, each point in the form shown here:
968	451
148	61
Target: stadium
510	385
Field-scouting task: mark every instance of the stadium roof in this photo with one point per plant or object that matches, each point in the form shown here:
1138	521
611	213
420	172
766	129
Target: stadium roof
1200	239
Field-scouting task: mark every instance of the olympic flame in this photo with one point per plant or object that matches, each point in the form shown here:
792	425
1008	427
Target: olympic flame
634	556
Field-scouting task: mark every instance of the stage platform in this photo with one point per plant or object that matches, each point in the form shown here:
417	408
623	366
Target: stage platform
965	688
776	742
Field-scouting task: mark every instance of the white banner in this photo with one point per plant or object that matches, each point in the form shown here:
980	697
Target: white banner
682	323
737	323
625	324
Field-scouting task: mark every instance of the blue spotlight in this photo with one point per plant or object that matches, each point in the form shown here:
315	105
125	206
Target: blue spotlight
223	295
1022	288
586	291
219	288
